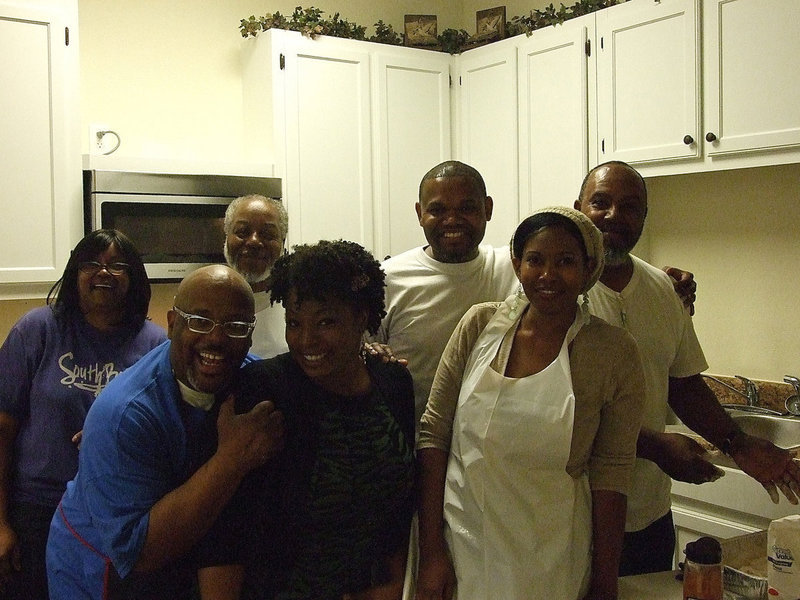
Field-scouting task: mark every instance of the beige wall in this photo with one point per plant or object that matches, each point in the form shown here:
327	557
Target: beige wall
738	232
166	75
12	310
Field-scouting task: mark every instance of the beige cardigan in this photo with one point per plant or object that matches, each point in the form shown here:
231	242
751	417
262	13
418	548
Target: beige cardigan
607	380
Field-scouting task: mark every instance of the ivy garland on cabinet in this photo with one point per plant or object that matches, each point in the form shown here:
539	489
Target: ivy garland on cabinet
311	23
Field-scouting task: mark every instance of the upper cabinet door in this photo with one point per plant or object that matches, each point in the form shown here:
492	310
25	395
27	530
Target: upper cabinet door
412	134
648	84
488	139
40	170
553	114
752	86
328	153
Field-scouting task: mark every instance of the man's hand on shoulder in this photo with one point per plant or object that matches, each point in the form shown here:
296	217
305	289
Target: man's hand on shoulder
384	352
685	286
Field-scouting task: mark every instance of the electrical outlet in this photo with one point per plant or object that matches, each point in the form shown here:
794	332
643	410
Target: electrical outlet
99	144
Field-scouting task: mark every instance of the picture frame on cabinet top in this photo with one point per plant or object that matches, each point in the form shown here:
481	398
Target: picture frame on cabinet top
490	24
420	31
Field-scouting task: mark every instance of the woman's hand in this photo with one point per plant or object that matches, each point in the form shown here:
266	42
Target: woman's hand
436	578
391	590
76	439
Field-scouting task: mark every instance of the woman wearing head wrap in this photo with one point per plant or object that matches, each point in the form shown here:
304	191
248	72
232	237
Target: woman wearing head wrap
529	436
329	517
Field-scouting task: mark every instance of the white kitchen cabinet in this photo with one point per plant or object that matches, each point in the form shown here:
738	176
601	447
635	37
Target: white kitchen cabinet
653	111
488	129
41	168
556	91
313	96
751	85
412	134
352	127
648	84
526	112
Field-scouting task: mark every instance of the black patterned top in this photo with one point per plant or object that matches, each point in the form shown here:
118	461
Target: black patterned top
321	519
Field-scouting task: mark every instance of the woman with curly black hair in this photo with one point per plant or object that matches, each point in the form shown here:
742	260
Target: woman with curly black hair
329	517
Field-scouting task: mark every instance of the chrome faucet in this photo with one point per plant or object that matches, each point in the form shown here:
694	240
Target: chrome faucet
793	401
794	382
750	394
750	390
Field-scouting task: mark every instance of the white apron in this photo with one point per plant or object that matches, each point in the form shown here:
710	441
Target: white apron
518	526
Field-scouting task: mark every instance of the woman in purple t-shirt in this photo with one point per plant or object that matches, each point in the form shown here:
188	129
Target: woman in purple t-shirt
53	364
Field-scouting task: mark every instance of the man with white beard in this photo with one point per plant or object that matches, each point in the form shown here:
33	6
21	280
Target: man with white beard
255	231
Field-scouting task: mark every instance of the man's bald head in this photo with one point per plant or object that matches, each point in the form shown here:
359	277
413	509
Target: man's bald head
208	362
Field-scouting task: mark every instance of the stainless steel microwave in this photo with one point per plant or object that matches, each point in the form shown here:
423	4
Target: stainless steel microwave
176	221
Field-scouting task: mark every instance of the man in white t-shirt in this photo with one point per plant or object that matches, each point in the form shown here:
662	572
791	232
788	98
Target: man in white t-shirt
255	231
637	296
429	288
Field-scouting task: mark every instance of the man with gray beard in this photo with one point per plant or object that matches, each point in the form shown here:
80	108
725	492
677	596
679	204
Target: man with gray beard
255	231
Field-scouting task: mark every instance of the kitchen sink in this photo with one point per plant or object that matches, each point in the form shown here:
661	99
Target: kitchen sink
783	431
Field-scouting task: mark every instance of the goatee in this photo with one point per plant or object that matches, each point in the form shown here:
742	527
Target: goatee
249	277
615	257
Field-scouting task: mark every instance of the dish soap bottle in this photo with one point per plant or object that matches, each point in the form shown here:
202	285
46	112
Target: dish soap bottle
702	570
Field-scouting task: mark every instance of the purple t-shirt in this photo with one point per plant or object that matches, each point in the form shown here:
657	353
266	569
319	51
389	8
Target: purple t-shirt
50	373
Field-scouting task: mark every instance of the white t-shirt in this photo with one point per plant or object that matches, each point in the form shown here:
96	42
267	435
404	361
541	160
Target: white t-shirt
426	298
269	336
651	311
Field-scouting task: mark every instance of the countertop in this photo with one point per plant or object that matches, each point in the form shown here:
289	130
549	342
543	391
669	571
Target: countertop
653	586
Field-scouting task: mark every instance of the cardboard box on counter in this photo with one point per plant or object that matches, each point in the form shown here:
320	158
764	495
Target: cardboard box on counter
744	558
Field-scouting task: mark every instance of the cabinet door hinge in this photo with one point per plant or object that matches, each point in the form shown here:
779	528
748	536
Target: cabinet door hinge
450	80
588	47
282	61
66	36
459	80
603	146
601	43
